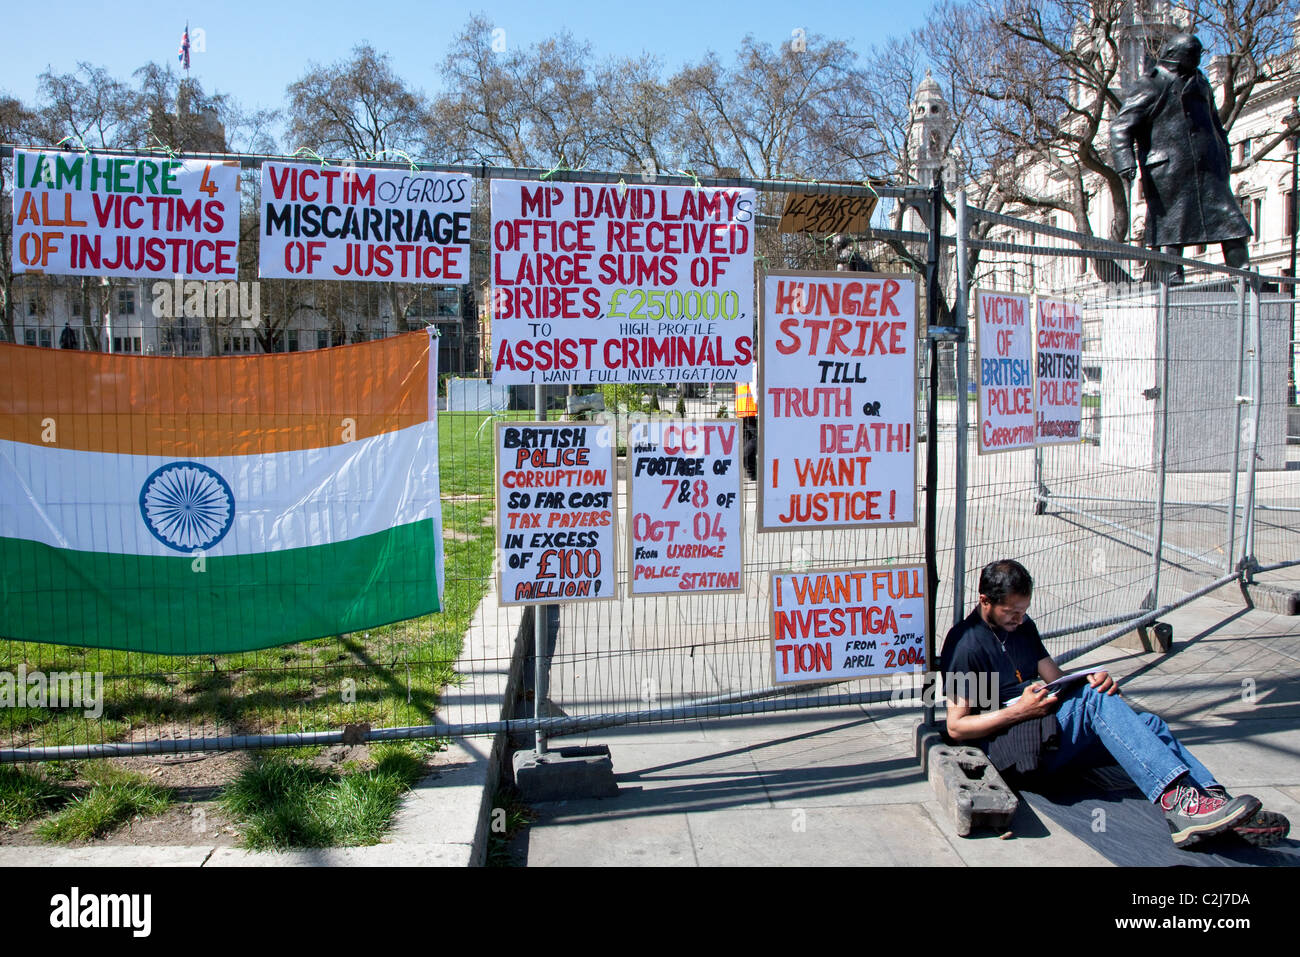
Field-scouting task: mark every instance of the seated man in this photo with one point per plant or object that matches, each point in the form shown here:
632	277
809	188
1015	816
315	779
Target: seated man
998	645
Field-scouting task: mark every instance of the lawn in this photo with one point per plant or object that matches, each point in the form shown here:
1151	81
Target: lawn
387	676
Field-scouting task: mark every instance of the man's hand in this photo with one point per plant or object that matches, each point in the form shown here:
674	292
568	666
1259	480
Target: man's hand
1103	683
1035	702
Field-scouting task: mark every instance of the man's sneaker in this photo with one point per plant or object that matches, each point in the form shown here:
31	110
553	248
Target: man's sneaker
1262	829
1192	814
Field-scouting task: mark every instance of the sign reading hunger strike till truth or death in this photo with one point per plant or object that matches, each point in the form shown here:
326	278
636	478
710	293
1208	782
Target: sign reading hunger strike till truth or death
837	401
1004	349
555	512
684	500
99	215
375	225
1059	337
848	623
614	283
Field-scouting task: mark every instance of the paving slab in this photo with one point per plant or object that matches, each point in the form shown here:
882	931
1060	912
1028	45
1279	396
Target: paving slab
115	856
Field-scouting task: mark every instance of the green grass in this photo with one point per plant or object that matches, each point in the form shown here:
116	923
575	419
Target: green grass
26	794
281	803
509	816
388	676
114	798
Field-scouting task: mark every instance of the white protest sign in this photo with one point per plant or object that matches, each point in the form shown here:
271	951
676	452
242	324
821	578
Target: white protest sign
555	512
1059	401
374	225
685	506
837	401
1004	352
98	215
616	283
848	623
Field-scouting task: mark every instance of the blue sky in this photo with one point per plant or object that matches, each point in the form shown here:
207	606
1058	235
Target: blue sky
255	49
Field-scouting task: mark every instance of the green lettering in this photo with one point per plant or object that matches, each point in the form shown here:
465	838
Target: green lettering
120	173
169	186
97	174
148	176
69	171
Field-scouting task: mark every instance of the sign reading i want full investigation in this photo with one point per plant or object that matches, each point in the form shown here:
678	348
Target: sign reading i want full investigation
96	215
614	283
376	225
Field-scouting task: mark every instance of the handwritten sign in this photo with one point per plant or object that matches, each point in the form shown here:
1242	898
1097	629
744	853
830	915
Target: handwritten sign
684	498
837	402
826	213
375	225
99	215
555	512
1059	400
848	623
609	283
1005	359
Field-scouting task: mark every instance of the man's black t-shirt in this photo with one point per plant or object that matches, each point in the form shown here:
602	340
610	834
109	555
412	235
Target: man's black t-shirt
974	647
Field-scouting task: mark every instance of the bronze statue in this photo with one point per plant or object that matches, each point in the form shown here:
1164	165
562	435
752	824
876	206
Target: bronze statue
1170	118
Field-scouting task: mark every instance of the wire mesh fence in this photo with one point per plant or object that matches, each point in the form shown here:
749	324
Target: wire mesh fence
1183	472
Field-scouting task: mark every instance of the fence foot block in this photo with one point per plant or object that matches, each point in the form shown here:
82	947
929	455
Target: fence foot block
1279	599
565	774
968	787
1156	637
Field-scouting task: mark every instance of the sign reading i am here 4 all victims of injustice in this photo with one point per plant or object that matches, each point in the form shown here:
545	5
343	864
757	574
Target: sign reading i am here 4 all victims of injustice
848	623
555	512
78	214
615	283
375	225
1059	396
837	401
683	486
1004	349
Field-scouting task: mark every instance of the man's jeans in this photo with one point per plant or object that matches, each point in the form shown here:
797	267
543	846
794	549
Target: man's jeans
1142	744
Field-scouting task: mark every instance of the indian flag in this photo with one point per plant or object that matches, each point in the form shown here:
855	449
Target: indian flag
204	506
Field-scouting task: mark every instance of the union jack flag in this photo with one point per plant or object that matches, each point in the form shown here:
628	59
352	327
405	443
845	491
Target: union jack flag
184	54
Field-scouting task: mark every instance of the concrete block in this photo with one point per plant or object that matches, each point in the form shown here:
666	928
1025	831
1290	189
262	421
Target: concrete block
965	784
565	774
1279	599
1157	637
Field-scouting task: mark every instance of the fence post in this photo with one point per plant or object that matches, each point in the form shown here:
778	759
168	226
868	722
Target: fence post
1162	352
963	415
539	616
932	437
1230	549
1255	322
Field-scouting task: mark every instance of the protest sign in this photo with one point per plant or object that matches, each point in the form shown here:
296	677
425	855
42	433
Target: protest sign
617	283
1059	401
826	213
374	225
555	512
1004	350
683	487
78	214
837	401
848	623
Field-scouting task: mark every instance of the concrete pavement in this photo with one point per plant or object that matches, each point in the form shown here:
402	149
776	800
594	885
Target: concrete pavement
842	787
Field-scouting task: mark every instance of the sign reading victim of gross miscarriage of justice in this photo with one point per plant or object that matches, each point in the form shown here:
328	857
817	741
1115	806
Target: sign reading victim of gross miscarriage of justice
610	283
837	401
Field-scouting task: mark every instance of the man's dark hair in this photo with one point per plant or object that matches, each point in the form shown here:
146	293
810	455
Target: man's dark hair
1006	577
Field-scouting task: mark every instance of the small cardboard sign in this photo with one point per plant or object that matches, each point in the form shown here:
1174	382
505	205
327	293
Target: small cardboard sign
826	213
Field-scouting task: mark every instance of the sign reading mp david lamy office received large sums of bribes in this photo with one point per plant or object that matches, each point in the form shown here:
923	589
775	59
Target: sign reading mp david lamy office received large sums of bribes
77	214
617	283
376	225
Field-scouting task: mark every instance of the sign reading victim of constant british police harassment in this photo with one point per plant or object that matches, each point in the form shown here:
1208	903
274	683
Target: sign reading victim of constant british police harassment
81	214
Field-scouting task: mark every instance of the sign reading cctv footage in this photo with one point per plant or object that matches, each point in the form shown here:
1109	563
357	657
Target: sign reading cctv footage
837	401
617	283
555	512
848	623
373	225
1060	375
93	215
684	499
1005	359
